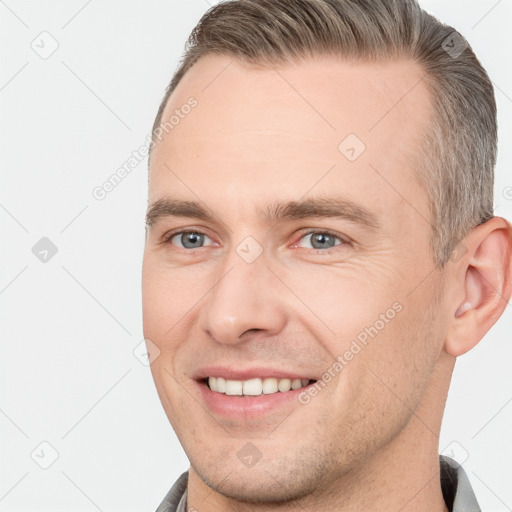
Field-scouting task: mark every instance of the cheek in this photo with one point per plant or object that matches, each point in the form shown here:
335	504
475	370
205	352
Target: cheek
384	381
341	305
154	302
383	336
167	299
397	364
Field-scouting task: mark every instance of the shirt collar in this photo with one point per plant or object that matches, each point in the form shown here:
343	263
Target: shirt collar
457	491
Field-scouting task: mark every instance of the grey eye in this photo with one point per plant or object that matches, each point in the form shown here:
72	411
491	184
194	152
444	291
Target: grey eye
189	239
322	240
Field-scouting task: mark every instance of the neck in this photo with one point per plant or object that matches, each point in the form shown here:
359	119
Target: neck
403	476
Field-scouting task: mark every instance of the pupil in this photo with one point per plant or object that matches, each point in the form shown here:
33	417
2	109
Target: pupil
320	241
192	240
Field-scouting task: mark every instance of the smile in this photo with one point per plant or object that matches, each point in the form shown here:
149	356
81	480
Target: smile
254	387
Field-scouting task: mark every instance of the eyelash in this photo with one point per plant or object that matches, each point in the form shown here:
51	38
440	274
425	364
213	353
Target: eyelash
344	240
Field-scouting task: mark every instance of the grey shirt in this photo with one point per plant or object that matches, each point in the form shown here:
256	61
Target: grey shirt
457	491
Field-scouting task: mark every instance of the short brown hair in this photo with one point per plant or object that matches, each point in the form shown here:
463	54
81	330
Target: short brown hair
458	153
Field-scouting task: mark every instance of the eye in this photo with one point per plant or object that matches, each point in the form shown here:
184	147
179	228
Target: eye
188	239
315	240
320	240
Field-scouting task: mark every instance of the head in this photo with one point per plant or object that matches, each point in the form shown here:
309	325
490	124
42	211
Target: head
325	209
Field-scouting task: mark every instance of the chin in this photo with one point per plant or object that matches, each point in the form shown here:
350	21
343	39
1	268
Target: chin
267	482
262	488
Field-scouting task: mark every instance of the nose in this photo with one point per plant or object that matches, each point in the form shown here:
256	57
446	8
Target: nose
243	298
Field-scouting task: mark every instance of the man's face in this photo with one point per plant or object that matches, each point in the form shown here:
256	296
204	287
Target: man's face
243	293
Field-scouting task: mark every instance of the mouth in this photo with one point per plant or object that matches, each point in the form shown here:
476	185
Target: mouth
240	397
255	386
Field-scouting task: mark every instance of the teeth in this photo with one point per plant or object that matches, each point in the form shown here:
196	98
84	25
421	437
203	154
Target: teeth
270	386
254	387
221	385
284	385
233	387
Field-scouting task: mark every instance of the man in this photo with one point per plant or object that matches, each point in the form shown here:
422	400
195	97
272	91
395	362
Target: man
320	248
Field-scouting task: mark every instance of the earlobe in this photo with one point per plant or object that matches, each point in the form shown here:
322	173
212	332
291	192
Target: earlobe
484	282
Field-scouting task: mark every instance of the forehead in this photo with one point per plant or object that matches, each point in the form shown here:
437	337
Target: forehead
267	131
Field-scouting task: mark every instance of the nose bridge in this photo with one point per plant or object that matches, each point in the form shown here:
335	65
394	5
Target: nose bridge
242	296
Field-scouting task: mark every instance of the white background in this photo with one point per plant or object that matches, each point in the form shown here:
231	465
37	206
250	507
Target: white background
68	327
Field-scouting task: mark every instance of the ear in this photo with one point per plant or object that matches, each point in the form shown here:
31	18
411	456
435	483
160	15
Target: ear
482	281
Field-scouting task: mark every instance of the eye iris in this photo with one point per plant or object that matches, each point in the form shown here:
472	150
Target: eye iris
322	240
192	240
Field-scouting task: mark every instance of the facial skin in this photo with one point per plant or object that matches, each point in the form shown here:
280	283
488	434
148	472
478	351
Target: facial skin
257	137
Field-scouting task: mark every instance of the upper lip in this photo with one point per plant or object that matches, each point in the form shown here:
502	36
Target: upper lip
231	373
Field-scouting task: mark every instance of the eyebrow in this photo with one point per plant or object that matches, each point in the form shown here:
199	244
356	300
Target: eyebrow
274	212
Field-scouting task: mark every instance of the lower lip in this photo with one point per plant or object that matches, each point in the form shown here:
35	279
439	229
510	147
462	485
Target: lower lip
247	407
